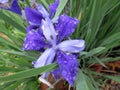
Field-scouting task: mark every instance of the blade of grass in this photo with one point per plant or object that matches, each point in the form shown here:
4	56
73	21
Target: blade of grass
27	73
60	7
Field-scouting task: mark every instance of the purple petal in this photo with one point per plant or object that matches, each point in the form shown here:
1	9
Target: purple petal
46	58
53	7
49	31
42	10
33	16
15	7
66	26
68	66
3	1
32	27
56	73
72	46
34	40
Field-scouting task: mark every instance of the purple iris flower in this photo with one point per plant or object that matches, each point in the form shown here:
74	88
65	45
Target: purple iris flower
43	33
14	7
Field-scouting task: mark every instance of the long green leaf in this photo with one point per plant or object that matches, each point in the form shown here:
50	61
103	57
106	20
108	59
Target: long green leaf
60	7
11	21
94	51
82	82
27	73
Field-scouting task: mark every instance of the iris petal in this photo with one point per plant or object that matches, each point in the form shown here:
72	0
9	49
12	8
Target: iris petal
33	16
15	7
3	1
53	8
66	26
68	66
42	10
49	31
46	58
34	40
31	27
72	46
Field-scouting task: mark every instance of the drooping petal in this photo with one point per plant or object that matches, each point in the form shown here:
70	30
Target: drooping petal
3	1
15	7
34	40
66	26
72	46
49	31
33	16
42	10
53	8
68	66
46	58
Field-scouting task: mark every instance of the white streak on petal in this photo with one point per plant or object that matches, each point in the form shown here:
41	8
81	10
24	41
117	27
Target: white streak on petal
42	10
46	58
72	46
49	31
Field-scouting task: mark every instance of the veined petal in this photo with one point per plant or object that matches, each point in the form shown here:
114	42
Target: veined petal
53	7
68	66
49	31
66	26
34	40
15	7
72	46
3	1
42	10
46	58
33	16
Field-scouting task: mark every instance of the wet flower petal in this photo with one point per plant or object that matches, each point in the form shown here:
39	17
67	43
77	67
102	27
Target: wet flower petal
46	58
56	74
32	27
42	10
33	16
66	26
49	31
15	7
34	41
72	46
53	8
68	66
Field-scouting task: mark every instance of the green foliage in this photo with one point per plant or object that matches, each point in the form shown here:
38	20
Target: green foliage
99	26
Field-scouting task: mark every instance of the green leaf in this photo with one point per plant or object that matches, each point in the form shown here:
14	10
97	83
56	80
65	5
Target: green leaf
45	3
83	82
27	73
60	7
10	20
14	85
111	39
115	77
94	51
